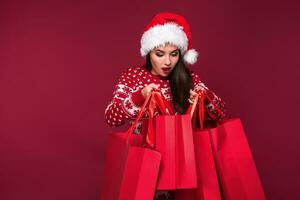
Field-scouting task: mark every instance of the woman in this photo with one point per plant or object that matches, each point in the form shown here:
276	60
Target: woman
166	45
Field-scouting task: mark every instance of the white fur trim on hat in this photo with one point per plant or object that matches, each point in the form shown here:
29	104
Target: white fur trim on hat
161	34
190	56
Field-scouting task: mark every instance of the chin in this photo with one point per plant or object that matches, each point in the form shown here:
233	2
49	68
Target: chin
164	75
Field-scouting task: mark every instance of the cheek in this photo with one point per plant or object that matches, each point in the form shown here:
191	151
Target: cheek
175	60
156	62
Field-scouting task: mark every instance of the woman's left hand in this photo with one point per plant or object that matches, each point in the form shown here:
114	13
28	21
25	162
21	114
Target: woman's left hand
194	92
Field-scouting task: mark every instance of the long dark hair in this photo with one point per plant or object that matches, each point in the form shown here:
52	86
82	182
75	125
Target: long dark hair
180	81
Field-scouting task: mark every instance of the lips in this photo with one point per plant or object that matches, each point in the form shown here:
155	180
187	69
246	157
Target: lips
166	69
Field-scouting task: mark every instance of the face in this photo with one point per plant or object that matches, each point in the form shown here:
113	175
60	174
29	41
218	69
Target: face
164	59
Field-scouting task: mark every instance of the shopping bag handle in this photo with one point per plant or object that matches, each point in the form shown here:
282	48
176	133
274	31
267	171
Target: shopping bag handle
153	100
139	116
199	103
157	101
162	103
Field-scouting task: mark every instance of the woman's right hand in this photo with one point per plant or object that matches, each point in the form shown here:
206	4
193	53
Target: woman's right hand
147	89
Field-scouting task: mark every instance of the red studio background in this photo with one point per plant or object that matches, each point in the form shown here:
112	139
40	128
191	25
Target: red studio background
60	60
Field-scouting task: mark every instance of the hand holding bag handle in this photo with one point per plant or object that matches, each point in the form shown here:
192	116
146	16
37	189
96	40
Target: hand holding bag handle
153	100
199	103
139	116
161	103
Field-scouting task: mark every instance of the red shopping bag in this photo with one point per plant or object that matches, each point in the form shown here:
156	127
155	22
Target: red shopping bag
236	168
174	140
208	184
131	170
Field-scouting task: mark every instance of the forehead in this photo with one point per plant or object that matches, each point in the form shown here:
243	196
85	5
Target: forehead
166	47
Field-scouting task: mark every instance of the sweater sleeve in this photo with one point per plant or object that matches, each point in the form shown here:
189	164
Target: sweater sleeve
126	101
210	111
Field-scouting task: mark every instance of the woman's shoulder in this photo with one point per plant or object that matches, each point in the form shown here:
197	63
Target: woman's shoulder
130	74
137	69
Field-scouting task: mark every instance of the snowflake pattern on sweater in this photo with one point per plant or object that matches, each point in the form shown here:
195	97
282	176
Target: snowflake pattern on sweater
127	97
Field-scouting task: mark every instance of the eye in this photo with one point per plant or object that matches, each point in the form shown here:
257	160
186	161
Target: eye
174	54
159	54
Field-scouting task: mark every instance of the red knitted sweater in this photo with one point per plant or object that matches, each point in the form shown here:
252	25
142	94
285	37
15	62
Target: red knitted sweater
127	96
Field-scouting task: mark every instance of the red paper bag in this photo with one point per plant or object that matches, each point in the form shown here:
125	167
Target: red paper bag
236	168
208	184
131	170
174	140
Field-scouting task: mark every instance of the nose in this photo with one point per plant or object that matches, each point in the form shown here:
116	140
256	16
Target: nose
167	60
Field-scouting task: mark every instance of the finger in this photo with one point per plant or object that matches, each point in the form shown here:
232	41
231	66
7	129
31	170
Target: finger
156	86
190	101
200	89
153	85
193	92
150	89
193	95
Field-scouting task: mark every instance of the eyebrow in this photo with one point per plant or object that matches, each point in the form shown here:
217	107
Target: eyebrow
164	52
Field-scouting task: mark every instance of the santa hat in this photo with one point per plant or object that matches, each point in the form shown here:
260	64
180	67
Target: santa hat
169	28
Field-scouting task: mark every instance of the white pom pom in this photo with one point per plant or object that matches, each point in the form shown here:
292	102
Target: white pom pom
190	56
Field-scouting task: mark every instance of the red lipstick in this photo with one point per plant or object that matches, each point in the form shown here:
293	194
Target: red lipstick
166	69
